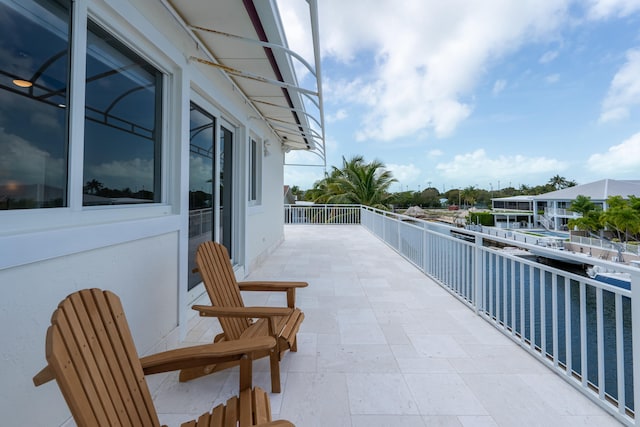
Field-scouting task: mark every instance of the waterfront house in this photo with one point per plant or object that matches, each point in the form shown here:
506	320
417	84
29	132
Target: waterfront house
553	210
513	212
131	130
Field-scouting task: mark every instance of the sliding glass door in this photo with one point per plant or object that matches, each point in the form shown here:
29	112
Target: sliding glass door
202	151
210	157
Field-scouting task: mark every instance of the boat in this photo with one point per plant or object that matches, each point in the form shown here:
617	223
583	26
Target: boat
516	251
611	277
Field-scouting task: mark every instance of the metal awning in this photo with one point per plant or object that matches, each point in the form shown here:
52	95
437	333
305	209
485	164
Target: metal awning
246	41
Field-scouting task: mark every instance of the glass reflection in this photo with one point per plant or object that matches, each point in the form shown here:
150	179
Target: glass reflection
201	154
34	69
122	124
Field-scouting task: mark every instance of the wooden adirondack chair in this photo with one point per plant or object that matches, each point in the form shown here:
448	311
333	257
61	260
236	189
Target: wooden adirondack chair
91	355
238	321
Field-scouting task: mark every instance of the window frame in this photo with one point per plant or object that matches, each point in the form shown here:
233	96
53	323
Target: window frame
145	45
160	117
42	73
255	153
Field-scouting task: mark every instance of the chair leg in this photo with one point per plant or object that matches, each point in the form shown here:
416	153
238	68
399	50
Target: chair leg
294	345
275	370
246	374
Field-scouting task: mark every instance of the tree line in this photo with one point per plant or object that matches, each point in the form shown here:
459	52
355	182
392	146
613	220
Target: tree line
368	183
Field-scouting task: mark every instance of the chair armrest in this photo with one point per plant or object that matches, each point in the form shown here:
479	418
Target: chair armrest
273	286
201	355
187	357
242	312
44	376
270	286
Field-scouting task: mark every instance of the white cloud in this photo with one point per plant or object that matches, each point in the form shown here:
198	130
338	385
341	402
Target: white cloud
339	115
499	86
624	91
302	176
295	19
24	162
552	78
136	174
405	174
602	9
200	173
435	153
305	176
430	55
548	56
477	166
618	159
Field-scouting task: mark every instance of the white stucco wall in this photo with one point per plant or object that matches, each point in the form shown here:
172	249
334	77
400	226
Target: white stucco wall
140	253
265	223
143	273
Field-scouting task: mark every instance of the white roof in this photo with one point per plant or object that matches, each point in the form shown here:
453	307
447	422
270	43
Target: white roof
520	198
598	190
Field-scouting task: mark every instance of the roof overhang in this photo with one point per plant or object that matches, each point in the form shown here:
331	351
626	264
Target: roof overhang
245	40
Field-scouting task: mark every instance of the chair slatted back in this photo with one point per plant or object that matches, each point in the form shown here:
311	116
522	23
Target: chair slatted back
219	279
91	351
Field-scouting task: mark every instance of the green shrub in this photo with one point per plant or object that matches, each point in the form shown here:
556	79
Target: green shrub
481	218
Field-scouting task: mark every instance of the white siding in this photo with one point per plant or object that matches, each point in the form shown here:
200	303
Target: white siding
138	252
143	273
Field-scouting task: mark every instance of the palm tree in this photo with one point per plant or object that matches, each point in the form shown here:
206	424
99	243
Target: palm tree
559	182
624	219
582	204
321	191
356	182
468	195
634	202
93	186
590	221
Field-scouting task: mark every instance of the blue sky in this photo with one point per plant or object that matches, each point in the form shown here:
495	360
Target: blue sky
487	93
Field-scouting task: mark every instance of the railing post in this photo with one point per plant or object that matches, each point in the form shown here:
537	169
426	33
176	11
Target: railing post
425	251
399	224
477	277
635	339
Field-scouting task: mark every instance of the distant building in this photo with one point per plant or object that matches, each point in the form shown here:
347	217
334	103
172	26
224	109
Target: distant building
513	212
552	210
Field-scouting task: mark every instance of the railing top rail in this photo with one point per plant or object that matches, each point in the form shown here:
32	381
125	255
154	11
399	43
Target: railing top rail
316	205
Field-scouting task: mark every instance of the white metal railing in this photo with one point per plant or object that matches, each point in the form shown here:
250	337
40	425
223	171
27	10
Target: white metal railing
632	248
200	222
561	212
577	326
524	236
322	214
546	222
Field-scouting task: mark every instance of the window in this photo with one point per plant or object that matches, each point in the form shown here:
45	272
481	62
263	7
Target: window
34	77
255	171
123	113
226	187
122	124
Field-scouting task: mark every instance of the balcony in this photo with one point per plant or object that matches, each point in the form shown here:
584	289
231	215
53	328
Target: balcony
383	344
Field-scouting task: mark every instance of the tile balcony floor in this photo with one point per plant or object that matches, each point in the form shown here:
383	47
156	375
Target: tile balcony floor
382	345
